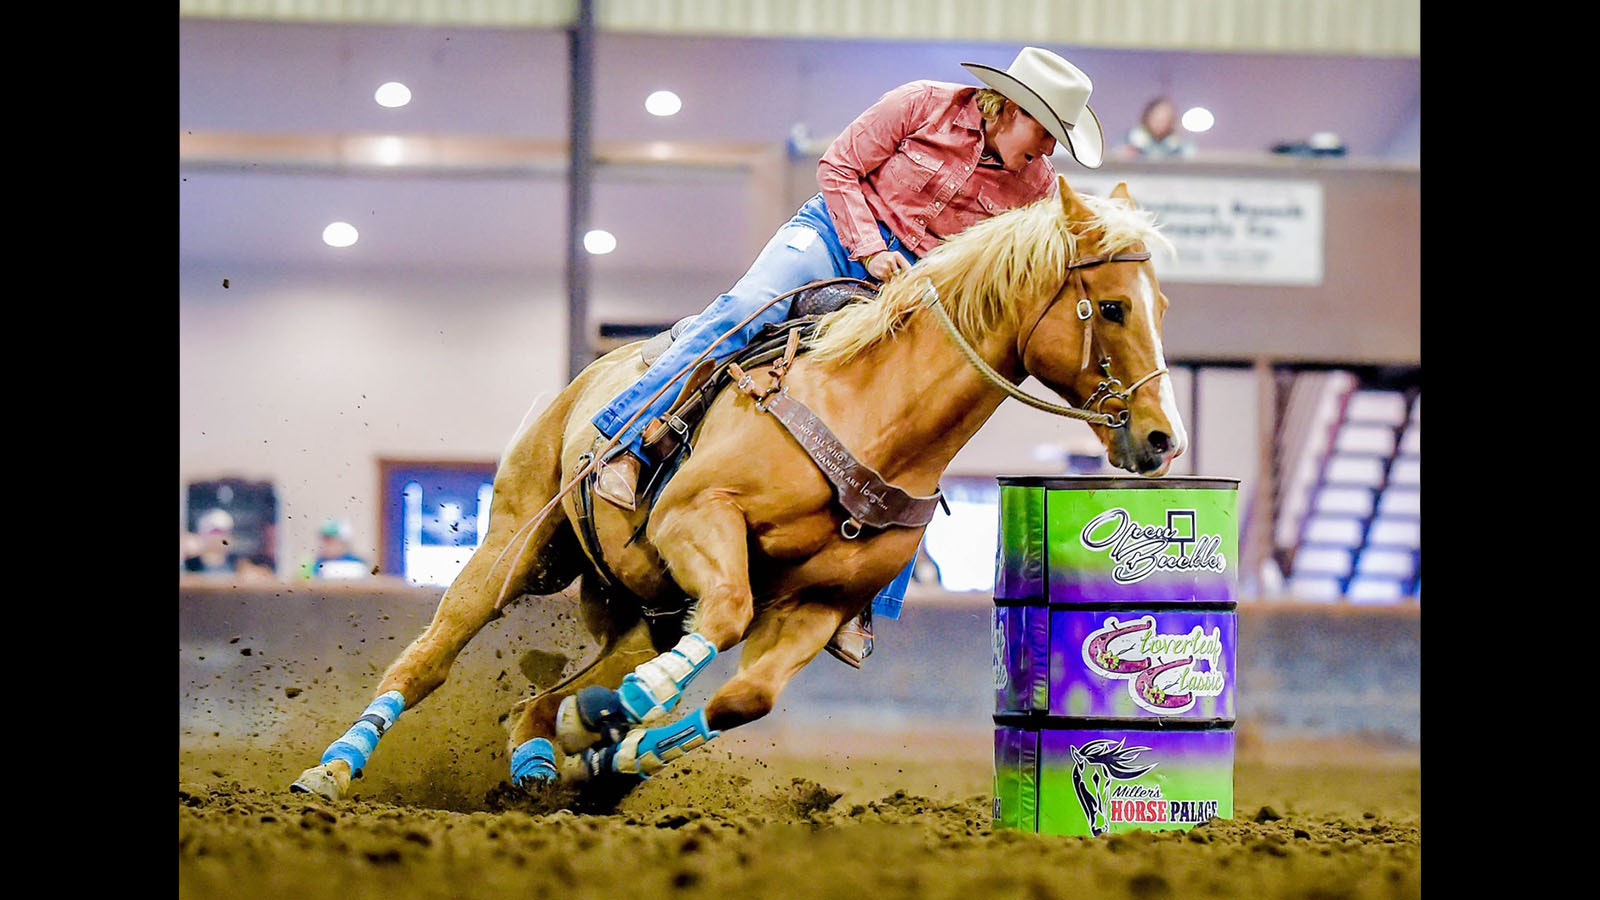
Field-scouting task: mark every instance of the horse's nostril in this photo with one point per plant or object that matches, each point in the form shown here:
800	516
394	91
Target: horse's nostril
1160	442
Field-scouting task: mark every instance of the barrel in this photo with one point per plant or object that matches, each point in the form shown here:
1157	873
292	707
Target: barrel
1114	638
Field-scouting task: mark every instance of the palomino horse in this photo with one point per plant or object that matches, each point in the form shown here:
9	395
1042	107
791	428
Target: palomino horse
750	540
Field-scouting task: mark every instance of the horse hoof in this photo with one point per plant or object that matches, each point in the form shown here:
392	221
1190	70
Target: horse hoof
593	715
319	780
533	764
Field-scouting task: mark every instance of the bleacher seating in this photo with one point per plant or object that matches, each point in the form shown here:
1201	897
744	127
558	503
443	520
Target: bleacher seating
1351	513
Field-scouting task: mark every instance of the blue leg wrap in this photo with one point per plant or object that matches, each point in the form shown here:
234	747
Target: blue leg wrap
645	752
649	692
534	763
362	738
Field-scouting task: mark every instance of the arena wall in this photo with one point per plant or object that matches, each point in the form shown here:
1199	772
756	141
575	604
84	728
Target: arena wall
307	378
293	665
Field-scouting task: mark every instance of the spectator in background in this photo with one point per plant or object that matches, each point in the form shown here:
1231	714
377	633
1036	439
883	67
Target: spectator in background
335	558
212	550
1157	134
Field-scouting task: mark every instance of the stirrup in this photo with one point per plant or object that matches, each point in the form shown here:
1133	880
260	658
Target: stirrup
669	431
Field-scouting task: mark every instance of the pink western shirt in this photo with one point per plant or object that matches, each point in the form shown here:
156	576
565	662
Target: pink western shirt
911	161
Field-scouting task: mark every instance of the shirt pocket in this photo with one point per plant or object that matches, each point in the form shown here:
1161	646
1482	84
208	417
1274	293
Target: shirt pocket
994	202
912	168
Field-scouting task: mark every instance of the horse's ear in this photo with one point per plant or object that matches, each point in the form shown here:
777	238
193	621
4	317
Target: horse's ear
1070	202
1120	192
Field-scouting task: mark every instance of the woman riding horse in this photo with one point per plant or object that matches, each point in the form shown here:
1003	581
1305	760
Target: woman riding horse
750	540
925	162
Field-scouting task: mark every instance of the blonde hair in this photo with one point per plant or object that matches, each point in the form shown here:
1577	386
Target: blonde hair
991	103
1022	253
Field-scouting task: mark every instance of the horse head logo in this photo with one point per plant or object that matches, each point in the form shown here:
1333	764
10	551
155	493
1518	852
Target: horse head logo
1095	767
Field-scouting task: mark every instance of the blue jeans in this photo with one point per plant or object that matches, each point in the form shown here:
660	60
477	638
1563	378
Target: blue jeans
803	250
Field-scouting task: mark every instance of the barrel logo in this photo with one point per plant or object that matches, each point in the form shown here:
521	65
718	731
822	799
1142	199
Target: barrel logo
1164	672
1138	550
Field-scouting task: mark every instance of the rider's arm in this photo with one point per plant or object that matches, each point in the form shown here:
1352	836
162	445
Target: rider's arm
863	146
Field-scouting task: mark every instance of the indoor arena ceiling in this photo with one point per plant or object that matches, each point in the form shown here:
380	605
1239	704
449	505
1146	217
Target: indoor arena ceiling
279	134
1361	27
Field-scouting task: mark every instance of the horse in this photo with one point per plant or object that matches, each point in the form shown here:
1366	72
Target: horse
757	538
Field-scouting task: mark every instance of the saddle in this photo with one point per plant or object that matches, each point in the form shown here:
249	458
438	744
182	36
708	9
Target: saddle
666	434
871	502
666	439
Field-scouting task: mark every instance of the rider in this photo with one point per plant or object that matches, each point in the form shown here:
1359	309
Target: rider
924	162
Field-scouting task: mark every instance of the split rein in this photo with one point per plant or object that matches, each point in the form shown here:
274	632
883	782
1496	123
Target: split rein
1110	389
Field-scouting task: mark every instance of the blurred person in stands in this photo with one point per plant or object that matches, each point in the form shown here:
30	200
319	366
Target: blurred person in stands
335	558
212	550
1156	135
925	162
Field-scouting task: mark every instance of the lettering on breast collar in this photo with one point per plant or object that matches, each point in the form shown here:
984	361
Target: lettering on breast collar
860	490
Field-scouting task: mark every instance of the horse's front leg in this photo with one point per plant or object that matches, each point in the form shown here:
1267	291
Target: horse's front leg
703	545
779	646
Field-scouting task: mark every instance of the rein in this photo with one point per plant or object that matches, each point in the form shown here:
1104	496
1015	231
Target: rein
525	533
1110	389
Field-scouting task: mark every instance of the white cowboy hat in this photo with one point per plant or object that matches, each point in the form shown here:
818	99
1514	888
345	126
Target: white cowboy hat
1056	93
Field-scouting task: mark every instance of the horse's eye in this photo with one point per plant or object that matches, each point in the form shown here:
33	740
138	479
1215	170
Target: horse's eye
1112	311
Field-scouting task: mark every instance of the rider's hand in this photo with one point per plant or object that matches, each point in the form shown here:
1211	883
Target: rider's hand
886	264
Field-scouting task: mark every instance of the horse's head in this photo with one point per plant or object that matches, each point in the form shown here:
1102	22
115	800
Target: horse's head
1091	782
1097	342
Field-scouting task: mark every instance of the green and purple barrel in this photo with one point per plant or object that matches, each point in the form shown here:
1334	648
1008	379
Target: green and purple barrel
1114	646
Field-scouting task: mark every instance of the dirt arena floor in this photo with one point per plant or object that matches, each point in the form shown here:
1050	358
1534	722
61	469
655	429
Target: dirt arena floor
810	807
792	816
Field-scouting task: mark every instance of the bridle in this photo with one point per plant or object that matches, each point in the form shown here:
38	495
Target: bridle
1109	389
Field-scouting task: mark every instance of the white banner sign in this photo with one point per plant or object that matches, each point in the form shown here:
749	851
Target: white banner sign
1228	230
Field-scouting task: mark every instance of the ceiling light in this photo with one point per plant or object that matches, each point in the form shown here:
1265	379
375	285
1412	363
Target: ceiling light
339	234
599	242
663	103
390	150
392	94
1198	119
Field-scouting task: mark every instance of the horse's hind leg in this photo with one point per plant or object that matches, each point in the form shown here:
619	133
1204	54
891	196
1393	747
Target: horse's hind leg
475	598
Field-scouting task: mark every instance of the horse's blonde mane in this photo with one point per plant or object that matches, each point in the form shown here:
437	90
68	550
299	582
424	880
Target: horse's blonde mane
982	273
